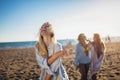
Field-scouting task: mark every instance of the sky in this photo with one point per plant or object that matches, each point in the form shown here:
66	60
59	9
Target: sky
20	20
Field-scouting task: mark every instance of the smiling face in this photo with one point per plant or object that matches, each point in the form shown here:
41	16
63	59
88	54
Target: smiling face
97	38
81	37
46	29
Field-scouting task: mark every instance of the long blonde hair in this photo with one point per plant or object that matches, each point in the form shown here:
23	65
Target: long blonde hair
40	45
98	45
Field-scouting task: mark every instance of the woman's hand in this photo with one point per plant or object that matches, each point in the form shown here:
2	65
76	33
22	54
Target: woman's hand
64	53
55	56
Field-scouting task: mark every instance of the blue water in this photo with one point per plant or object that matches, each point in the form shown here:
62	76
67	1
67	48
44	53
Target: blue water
30	44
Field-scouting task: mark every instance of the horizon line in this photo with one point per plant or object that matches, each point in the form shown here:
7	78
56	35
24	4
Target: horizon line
56	39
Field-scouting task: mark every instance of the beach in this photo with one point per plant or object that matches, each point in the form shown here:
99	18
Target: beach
20	64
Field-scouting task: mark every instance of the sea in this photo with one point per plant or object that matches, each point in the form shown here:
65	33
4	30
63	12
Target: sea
31	44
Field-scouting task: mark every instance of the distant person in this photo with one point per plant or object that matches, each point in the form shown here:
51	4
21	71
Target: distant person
48	55
82	56
97	55
109	38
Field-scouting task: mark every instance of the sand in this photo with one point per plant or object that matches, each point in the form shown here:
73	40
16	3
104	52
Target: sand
20	64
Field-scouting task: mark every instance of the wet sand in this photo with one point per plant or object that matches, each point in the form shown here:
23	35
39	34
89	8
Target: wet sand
20	64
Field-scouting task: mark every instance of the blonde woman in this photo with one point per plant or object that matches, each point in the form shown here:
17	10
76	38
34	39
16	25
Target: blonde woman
48	55
97	54
82	56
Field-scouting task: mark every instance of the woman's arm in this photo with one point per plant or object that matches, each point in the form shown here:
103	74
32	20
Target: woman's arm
76	60
48	77
52	59
56	56
44	62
